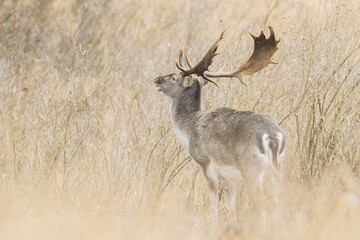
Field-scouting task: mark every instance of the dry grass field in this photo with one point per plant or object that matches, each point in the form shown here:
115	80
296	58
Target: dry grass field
86	145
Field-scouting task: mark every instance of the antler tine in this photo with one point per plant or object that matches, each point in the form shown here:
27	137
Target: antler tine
187	59
264	49
180	63
204	63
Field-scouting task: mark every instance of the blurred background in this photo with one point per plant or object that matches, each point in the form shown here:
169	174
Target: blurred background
87	149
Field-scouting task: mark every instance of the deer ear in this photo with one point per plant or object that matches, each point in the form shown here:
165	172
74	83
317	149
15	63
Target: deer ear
188	81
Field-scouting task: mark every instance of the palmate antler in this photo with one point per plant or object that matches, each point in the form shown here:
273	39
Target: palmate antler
203	65
264	49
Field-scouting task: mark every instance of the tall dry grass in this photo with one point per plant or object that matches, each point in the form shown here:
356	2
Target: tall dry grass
87	150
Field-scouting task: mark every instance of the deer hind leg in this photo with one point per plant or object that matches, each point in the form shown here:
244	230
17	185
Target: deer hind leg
259	180
254	181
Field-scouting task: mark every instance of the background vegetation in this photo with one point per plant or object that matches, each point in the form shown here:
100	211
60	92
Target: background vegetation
87	150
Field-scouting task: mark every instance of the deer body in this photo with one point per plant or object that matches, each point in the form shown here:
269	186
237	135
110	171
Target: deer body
224	142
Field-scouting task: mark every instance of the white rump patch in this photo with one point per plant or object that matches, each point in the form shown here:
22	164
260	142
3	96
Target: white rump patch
266	145
280	138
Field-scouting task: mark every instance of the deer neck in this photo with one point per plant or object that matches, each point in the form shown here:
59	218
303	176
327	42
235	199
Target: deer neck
184	110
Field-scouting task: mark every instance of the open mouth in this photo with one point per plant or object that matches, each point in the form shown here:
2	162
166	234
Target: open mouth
157	87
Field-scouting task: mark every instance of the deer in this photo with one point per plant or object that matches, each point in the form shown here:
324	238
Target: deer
224	142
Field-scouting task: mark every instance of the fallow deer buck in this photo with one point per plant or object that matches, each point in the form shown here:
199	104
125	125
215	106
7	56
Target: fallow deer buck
225	142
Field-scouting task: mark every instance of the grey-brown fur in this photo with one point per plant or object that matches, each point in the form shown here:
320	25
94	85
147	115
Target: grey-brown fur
223	139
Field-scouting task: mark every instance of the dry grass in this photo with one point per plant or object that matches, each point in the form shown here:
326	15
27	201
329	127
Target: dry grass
87	150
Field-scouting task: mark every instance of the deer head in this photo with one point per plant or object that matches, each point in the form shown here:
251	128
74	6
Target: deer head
174	84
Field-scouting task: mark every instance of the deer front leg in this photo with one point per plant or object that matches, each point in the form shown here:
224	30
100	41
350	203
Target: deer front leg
211	177
213	180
